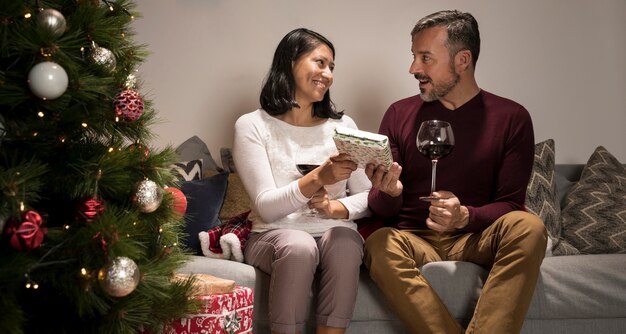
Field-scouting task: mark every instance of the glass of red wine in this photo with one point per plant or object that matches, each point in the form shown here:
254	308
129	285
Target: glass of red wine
307	159
435	140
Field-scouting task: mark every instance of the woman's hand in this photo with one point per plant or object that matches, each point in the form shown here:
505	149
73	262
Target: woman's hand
326	207
337	168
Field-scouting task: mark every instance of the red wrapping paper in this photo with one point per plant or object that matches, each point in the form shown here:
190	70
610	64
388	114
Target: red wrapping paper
228	313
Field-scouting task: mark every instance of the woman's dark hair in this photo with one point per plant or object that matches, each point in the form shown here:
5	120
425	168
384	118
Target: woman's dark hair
462	29
278	93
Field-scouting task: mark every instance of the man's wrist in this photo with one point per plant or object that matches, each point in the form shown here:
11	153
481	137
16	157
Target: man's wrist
464	221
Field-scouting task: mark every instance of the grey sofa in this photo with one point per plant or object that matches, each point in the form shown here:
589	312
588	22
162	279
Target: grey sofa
575	293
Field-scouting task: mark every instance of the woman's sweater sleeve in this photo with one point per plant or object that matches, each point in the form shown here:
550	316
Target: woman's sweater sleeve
254	169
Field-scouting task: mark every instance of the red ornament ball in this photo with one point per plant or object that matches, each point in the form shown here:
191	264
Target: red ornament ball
89	209
128	105
142	148
180	201
26	233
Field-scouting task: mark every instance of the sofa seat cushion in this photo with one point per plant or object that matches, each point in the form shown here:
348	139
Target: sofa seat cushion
371	304
458	284
580	287
569	287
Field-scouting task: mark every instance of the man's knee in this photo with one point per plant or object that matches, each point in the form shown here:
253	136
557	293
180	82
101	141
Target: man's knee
529	226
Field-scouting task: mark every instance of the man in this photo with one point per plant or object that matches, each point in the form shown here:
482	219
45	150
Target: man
478	215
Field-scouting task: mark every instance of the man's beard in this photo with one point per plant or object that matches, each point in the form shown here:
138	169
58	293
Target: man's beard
439	90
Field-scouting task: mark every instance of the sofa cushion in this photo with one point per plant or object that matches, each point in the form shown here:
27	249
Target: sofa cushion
580	287
204	201
594	216
542	198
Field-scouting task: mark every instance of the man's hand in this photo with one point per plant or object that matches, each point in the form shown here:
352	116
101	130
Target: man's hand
387	182
446	213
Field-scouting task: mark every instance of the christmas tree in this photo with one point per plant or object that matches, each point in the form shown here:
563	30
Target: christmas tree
90	214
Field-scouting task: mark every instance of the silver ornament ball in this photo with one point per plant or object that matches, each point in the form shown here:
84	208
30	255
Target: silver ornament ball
120	277
148	196
52	21
103	57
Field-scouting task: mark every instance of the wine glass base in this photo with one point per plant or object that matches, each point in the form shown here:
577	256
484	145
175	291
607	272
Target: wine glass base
311	213
429	198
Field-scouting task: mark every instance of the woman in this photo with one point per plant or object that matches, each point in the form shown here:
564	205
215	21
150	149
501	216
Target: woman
288	242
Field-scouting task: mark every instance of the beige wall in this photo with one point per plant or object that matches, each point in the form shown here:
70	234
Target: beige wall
564	60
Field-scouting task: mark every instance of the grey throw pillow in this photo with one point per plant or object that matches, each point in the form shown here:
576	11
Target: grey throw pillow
594	216
194	148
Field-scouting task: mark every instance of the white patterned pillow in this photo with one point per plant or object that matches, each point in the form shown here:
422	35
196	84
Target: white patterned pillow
188	170
594	216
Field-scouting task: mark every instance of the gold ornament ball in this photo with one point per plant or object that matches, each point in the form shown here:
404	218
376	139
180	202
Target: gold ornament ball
120	277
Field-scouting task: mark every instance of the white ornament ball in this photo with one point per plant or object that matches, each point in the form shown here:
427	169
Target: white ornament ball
47	80
120	277
148	196
52	21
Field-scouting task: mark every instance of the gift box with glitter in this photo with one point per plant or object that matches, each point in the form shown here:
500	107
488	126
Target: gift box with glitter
226	313
208	284
363	147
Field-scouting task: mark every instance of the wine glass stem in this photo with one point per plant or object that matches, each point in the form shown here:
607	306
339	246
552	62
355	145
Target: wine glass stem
434	176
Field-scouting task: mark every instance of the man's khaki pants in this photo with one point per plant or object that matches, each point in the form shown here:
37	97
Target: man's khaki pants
512	248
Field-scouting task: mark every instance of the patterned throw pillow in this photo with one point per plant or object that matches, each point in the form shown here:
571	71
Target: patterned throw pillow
542	197
594	216
188	170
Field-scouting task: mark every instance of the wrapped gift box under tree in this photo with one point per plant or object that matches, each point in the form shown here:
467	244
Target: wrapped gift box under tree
223	308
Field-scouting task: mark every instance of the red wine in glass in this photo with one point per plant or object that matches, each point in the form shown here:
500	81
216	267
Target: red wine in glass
435	140
308	158
436	151
304	169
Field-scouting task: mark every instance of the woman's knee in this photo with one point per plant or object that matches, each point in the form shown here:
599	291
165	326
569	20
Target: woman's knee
297	246
341	237
340	247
